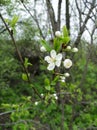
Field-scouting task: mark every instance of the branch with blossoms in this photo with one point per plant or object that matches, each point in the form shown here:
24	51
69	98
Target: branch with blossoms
57	57
58	62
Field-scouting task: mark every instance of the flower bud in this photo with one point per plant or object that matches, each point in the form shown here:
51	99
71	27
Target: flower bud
67	63
75	49
42	49
62	78
67	74
57	33
68	47
42	94
55	96
36	103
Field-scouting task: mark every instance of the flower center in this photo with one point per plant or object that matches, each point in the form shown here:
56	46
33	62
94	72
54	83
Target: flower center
53	60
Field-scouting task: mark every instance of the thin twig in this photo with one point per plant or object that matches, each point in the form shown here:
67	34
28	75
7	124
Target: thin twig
34	18
19	54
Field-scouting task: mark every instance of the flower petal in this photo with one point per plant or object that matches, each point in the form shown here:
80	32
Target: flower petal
48	59
59	56
53	53
51	66
58	63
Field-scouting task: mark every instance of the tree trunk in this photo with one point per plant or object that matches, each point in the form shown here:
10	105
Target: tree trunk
67	15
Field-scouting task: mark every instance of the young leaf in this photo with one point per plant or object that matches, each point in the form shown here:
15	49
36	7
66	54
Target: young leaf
55	80
24	77
47	84
26	63
65	31
14	21
57	44
66	40
47	81
48	88
46	45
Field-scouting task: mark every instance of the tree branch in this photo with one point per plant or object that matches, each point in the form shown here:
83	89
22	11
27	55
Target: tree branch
84	23
59	14
18	52
67	16
35	19
52	16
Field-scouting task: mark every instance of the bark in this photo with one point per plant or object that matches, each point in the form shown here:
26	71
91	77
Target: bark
52	16
59	14
67	15
56	24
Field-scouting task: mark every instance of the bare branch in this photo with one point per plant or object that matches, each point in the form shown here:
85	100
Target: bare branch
67	16
84	23
52	16
80	14
34	18
59	14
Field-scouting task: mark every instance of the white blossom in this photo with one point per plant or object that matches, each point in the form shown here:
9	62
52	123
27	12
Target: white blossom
53	60
36	103
66	74
68	47
42	94
57	33
55	96
75	49
67	63
62	78
42	49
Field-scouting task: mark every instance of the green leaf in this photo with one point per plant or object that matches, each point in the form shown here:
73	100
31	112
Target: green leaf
47	84
48	87
5	105
65	31
66	126
26	63
75	127
57	43
55	80
66	40
24	77
14	21
46	45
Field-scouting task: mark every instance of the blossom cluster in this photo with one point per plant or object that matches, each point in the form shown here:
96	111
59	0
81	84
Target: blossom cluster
55	59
